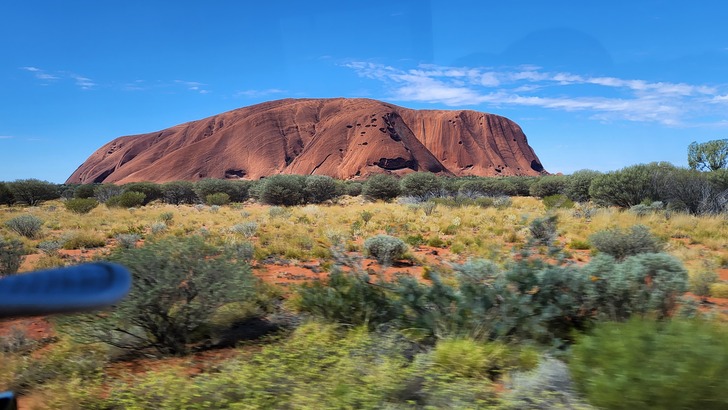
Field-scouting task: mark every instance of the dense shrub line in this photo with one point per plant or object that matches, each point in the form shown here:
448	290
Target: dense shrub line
636	187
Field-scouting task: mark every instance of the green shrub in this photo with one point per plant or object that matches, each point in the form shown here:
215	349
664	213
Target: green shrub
127	240
237	190
577	185
84	191
474	188
347	298
283	190
178	192
151	190
548	185
25	225
381	187
191	281
217	199
247	229
11	256
719	290
320	188
82	240
644	364
558	201
81	205
579	245
621	244
354	188
33	191
385	249
6	197
421	185
629	186
701	282
128	199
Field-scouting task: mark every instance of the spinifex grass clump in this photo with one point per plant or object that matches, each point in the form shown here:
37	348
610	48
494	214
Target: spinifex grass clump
81	205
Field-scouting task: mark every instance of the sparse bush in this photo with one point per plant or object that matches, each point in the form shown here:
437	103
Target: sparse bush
621	244
549	386
217	199
192	280
543	230
385	249
104	192
33	191
11	256
159	228
701	282
320	188
284	190
81	205
25	225
84	191
166	218
178	192
50	248
247	229
428	207
278	212
236	190
558	201
577	186
500	202
383	187
127	240
421	185
643	364
475	188
128	199
82	240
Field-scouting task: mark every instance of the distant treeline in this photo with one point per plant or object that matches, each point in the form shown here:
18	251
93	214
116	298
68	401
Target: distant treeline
679	189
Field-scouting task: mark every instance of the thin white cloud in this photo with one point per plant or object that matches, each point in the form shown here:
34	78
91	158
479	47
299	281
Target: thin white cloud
6	137
80	81
259	93
193	86
603	98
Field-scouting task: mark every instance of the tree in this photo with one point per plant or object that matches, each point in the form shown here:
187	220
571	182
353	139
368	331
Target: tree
33	191
708	156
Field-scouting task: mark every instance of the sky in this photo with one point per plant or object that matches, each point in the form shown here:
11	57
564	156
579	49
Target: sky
593	84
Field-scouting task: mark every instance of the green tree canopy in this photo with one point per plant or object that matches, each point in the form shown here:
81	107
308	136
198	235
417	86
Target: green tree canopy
708	156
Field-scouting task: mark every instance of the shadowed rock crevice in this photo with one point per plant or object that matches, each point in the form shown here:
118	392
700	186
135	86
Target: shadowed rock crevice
339	137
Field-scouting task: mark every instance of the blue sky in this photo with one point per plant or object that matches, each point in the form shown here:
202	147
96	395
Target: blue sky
598	85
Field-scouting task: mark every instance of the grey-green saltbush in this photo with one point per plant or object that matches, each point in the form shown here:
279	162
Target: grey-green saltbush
382	186
247	229
620	244
127	240
25	225
385	249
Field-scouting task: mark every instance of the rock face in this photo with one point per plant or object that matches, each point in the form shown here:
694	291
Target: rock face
342	138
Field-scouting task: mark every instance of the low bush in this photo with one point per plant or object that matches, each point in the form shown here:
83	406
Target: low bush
421	185
151	190
643	364
178	192
354	188
543	230
701	282
81	205
549	185
217	199
26	225
128	199
549	386
621	244
385	249
558	201
320	188
238	191
719	290
283	190
6	197
84	191
104	192
577	186
381	187
11	256
82	240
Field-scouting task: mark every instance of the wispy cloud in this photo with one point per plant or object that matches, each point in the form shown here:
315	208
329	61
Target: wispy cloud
603	98
193	86
47	77
6	137
259	93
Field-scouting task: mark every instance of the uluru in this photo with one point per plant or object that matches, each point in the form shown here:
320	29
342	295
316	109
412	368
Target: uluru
345	138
